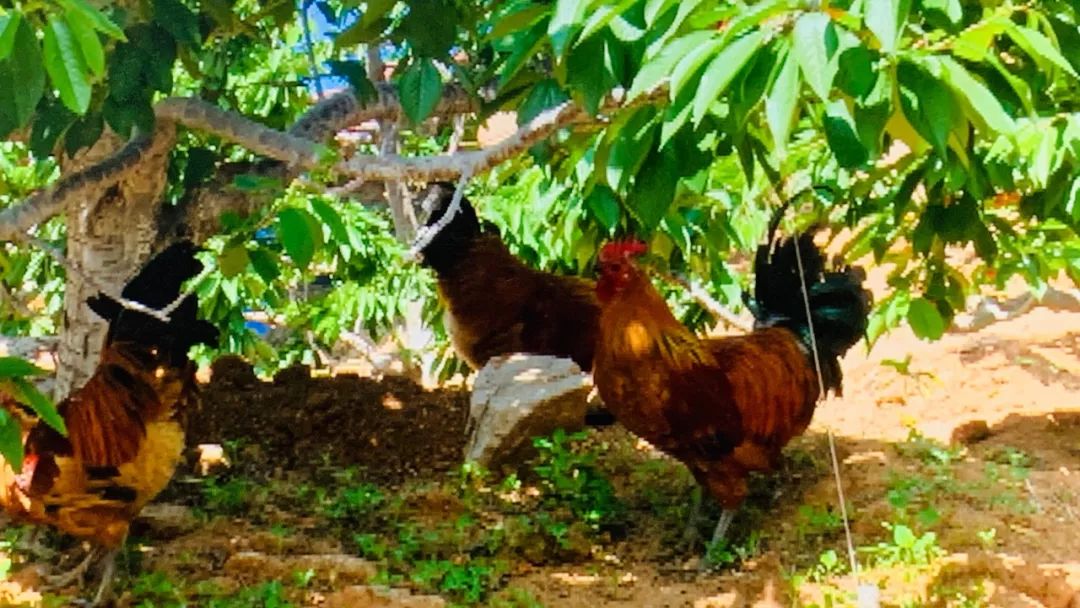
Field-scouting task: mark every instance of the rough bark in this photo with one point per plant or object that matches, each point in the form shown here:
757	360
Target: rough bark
109	237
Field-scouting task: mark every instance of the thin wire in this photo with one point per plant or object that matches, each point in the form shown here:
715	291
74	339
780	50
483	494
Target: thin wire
428	233
828	431
73	268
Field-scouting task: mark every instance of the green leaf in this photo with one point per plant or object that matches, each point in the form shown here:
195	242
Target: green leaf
814	41
1072	201
17	367
631	143
43	406
22	80
369	27
781	100
604	206
545	94
624	30
654	188
66	67
928	104
565	21
332	219
950	9
430	27
83	133
873	112
89	43
355	72
842	137
525	46
886	19
925	319
265	264
1040	47
178	20
722	71
50	122
980	100
420	88
655	8
587	72
659	69
685	71
974	42
11	448
233	260
9	24
300	235
520	20
603	15
95	17
855	73
122	117
1042	162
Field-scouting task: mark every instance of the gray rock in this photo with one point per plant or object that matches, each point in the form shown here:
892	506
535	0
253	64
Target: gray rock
365	596
518	397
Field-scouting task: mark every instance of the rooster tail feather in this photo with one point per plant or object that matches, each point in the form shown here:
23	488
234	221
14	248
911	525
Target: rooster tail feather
839	306
157	285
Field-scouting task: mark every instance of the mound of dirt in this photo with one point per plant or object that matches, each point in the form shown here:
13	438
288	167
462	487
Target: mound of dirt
390	429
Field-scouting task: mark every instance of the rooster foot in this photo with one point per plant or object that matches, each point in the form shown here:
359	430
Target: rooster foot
108	574
31	546
75	575
719	535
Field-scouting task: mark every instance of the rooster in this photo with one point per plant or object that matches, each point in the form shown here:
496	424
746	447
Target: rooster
125	426
496	305
726	406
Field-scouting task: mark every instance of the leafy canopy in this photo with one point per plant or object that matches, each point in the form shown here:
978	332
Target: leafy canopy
922	126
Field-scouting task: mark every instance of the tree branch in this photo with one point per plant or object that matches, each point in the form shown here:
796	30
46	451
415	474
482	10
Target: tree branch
82	185
702	297
299	148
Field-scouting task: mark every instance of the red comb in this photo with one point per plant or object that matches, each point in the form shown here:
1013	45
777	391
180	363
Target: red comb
617	250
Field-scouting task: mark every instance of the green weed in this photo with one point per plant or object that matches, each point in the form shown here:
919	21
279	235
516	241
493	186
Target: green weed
905	548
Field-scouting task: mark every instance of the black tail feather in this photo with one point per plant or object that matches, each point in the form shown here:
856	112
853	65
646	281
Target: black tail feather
157	285
839	306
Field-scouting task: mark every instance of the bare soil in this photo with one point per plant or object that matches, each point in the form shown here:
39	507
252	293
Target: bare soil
1003	501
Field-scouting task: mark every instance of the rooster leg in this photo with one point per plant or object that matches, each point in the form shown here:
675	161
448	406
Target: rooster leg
690	533
726	517
108	574
76	574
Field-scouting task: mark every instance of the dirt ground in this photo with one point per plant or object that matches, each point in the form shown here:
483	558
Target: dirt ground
1003	502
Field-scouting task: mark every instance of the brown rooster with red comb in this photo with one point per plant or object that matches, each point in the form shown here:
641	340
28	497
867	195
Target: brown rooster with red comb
727	406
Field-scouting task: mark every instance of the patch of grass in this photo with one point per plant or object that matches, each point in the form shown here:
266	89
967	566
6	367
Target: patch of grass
458	538
727	553
355	504
814	521
156	590
228	496
571	478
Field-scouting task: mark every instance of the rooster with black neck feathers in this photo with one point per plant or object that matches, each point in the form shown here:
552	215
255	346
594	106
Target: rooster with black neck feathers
496	305
125	426
726	407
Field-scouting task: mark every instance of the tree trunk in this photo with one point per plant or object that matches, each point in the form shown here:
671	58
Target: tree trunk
108	238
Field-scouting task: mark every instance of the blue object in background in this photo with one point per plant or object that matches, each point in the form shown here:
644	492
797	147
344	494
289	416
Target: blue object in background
258	328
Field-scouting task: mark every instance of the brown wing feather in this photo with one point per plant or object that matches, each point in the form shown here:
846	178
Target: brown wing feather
106	418
771	382
498	305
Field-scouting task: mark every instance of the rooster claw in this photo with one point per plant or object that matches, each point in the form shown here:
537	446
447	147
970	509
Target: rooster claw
75	575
